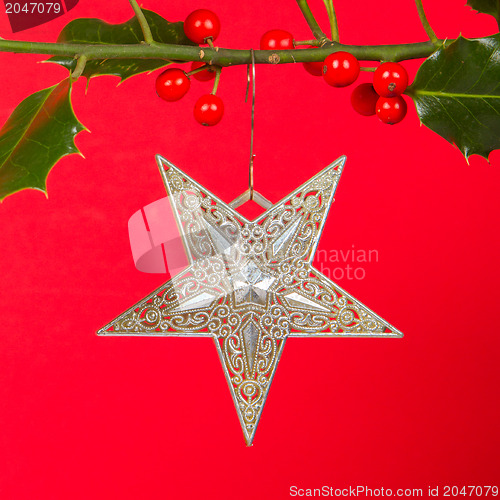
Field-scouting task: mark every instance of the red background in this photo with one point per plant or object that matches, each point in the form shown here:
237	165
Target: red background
83	416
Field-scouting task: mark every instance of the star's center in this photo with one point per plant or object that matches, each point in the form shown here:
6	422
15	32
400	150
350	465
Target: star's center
251	284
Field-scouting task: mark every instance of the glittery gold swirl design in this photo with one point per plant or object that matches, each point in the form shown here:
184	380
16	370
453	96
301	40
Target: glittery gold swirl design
319	307
250	353
250	285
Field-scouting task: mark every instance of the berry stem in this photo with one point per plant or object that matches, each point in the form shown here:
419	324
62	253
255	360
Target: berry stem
197	70
367	68
330	9
311	21
425	23
218	71
146	31
80	66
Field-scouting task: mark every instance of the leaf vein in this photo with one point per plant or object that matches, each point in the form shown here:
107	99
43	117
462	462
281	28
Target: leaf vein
484	69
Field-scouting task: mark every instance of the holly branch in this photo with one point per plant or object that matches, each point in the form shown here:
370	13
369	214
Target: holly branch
220	56
181	49
456	90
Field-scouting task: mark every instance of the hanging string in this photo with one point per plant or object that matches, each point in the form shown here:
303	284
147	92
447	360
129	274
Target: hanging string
250	193
250	167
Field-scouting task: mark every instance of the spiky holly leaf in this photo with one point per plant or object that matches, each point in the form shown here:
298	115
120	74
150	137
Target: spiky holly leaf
95	31
39	132
491	7
457	94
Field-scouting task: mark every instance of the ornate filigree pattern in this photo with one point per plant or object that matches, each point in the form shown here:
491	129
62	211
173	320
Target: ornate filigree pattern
250	285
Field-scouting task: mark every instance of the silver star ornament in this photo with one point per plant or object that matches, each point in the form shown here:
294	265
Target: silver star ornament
250	285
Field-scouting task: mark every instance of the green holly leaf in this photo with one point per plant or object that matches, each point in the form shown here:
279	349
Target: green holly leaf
39	132
457	94
95	31
491	7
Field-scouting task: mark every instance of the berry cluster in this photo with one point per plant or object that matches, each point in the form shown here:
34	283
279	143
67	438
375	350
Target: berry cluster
382	98
341	69
201	26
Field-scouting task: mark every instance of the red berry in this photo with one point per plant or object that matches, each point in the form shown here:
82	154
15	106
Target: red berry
202	24
364	99
205	75
276	40
209	109
390	79
172	84
315	67
391	110
340	69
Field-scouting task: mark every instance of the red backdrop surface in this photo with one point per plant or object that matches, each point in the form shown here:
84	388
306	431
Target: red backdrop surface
83	416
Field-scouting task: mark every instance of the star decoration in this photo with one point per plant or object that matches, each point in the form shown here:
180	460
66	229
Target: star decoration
250	285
